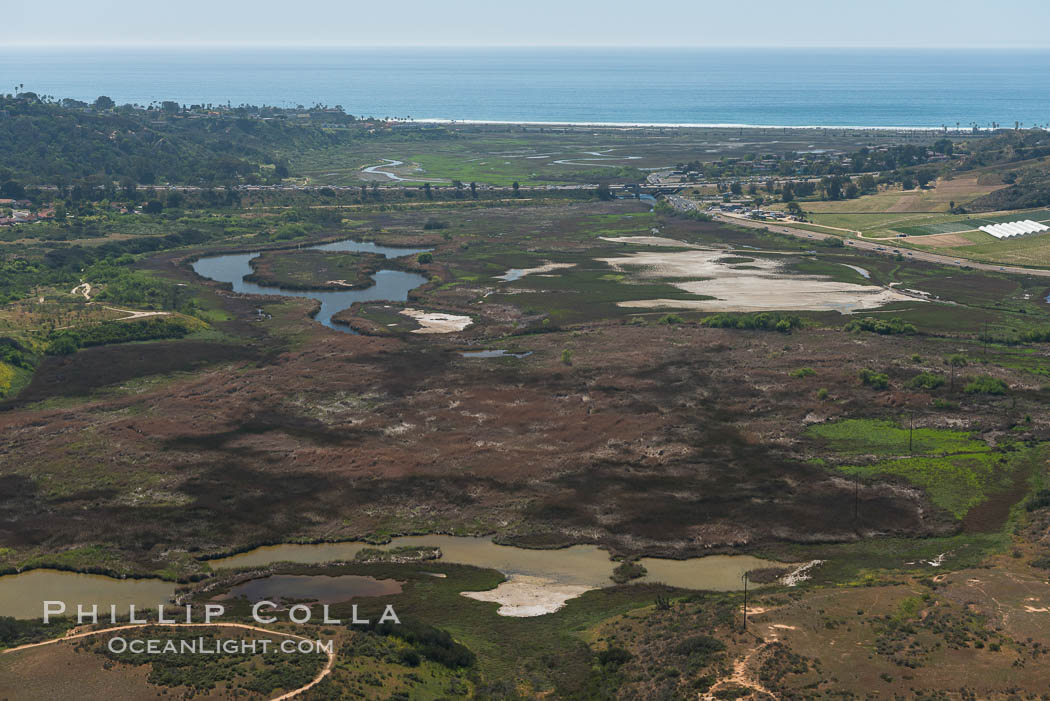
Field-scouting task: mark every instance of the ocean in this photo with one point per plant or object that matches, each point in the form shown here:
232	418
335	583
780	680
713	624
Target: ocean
767	87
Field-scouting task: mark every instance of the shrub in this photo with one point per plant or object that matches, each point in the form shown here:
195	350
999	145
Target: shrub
926	380
1036	335
433	224
766	321
7	377
566	356
670	319
985	384
803	372
62	344
626	571
429	642
424	258
109	332
701	645
883	327
1039	500
822	393
875	380
614	657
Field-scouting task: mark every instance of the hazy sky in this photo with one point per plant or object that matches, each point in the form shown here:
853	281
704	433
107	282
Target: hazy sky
912	23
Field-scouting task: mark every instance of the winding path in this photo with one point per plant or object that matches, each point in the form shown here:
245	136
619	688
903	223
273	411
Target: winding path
391	163
325	671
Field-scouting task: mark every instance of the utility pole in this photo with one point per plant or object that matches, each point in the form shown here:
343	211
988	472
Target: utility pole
856	495
745	601
911	430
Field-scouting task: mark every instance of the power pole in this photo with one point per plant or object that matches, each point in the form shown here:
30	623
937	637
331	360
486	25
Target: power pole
856	495
745	601
911	430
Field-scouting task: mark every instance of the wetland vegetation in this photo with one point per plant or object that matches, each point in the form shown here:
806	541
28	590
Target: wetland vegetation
637	389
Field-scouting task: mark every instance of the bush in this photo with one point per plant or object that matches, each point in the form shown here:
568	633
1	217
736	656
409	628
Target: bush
1036	335
433	224
7	378
822	393
63	344
432	643
1039	500
701	648
883	327
875	380
803	372
671	319
985	384
626	571
766	321
926	380
109	332
566	356
424	258
614	657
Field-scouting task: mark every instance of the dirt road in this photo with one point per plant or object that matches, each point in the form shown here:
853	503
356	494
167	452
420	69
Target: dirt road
882	247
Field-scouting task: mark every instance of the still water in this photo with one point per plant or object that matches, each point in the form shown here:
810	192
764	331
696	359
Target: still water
585	565
390	285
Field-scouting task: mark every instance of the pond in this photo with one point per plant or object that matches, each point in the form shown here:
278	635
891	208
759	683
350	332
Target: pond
390	285
585	565
315	589
23	595
569	570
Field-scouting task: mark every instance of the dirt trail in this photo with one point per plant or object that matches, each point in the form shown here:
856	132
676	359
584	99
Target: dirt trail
83	288
325	671
743	675
132	314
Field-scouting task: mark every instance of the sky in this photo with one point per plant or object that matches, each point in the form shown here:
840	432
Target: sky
678	23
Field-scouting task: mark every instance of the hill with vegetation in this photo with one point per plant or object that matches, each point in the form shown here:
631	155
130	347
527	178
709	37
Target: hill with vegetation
1018	158
70	144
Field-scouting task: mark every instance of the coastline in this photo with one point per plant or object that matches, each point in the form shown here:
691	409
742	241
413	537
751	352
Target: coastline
688	125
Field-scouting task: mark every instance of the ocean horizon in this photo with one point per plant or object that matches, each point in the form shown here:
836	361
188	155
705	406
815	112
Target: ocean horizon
742	87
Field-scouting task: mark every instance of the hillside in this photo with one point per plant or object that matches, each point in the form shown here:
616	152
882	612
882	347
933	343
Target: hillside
68	143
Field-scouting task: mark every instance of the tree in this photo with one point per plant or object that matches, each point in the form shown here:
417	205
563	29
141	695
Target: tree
474	190
426	190
170	107
787	193
604	193
153	207
795	209
517	189
736	188
104	103
12	190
